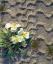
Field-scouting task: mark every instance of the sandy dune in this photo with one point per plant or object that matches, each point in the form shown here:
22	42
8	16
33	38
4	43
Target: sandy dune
37	17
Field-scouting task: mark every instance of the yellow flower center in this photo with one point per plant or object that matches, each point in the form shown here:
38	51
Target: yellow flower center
22	33
13	25
15	38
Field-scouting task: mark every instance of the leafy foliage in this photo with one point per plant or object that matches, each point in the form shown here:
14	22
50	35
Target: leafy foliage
10	54
4	52
28	41
23	51
1	42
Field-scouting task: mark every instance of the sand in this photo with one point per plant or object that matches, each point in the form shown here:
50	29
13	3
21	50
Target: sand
36	16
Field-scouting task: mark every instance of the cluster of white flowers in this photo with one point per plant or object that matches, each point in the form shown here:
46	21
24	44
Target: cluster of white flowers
21	34
13	26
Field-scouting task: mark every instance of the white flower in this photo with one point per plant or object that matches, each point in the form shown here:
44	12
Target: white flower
21	39
21	29
13	26
27	35
23	33
16	39
7	25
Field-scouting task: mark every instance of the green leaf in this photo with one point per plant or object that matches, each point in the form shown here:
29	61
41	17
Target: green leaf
1	40
4	52
23	51
17	52
28	41
1	45
2	34
10	54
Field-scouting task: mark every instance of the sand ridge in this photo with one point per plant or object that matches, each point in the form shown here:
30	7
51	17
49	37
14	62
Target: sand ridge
37	17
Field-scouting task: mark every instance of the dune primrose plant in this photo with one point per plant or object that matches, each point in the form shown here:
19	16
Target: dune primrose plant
14	39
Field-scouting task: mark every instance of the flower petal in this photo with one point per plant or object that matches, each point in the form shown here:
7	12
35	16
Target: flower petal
21	29
14	39
21	39
7	25
27	35
24	44
18	25
14	42
13	29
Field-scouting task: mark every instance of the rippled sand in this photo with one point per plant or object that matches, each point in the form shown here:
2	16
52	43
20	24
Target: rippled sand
37	17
